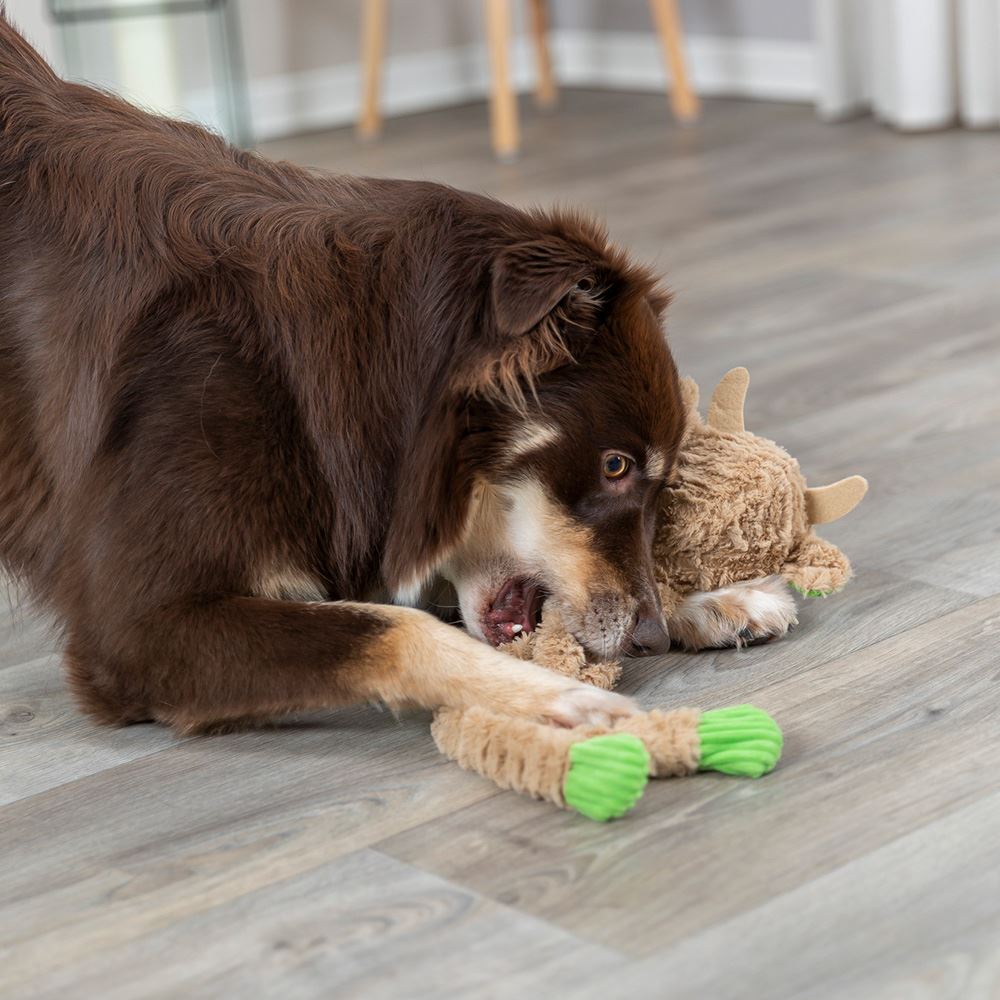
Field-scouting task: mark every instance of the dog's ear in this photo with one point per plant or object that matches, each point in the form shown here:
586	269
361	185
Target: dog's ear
531	279
544	303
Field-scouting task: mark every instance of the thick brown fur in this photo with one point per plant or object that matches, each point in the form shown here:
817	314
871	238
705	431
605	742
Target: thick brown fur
238	401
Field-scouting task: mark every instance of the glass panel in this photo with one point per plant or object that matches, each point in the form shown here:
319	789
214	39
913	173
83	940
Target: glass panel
177	58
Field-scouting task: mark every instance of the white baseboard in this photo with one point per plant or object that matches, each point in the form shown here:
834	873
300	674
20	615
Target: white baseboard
736	67
743	67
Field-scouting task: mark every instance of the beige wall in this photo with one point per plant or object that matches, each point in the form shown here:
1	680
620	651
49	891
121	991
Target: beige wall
787	20
318	33
289	36
301	53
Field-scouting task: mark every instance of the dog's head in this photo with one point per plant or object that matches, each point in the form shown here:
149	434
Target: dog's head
565	417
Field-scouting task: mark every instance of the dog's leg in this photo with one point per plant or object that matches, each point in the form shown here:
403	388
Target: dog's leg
738	615
201	667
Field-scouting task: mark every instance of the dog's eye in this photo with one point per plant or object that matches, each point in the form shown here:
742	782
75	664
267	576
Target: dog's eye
616	466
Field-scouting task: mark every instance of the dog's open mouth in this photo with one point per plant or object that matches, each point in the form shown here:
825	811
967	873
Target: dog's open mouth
516	609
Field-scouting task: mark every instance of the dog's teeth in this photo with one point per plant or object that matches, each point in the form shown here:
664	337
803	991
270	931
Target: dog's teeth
516	628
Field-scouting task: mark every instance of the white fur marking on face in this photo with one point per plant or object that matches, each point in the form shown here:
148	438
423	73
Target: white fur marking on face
533	436
542	534
656	465
529	513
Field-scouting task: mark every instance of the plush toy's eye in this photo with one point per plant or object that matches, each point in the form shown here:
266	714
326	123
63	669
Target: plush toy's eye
615	466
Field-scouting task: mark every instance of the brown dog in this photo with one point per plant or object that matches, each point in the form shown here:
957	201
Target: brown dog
239	402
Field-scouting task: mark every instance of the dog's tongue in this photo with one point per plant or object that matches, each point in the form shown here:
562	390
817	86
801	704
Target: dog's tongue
512	612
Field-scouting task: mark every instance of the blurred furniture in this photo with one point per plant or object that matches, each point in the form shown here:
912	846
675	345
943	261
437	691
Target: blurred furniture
224	30
503	100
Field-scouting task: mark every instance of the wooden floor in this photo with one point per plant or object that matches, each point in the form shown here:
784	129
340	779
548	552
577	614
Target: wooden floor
857	274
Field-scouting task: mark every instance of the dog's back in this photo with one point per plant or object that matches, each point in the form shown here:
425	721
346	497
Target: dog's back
27	85
106	212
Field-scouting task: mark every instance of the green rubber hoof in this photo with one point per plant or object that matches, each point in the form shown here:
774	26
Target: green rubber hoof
607	775
811	593
742	740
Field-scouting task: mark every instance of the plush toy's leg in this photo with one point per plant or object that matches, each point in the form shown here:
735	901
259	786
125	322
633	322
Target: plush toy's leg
601	772
742	740
671	739
816	568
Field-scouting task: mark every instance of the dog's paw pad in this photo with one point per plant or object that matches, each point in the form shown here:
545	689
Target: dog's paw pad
743	741
607	775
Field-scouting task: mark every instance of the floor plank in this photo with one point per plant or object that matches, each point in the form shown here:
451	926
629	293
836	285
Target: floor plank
362	925
47	742
855	931
209	819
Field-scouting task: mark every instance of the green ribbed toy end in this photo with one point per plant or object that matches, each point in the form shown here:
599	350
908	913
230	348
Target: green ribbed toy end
743	741
607	775
813	593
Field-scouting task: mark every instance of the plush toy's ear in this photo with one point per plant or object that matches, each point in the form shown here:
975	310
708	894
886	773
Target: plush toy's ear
725	412
530	280
829	503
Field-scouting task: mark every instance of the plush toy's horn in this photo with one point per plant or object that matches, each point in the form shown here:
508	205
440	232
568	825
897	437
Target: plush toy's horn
828	503
725	412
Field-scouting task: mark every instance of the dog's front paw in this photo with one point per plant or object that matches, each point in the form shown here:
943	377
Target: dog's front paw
588	706
743	614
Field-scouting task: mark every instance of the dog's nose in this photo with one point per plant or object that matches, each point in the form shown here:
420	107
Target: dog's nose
650	635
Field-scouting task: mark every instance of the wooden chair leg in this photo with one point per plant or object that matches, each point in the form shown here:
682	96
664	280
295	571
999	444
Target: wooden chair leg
667	19
372	47
503	101
545	85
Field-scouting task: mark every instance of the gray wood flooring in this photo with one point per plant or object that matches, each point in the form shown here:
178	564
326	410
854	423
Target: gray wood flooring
857	274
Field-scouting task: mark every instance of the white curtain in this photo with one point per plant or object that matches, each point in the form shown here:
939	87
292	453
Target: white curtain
915	64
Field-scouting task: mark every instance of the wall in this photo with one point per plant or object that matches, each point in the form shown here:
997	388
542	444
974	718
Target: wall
785	20
301	54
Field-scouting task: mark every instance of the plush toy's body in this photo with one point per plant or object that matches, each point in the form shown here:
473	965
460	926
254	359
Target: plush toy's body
740	510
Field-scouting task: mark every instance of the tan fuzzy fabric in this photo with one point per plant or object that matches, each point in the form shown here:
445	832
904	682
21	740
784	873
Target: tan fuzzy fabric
532	758
830	503
671	739
513	753
552	645
816	565
725	412
736	514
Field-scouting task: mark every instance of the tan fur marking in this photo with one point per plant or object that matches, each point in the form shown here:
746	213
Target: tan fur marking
656	464
423	662
289	584
540	531
531	437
